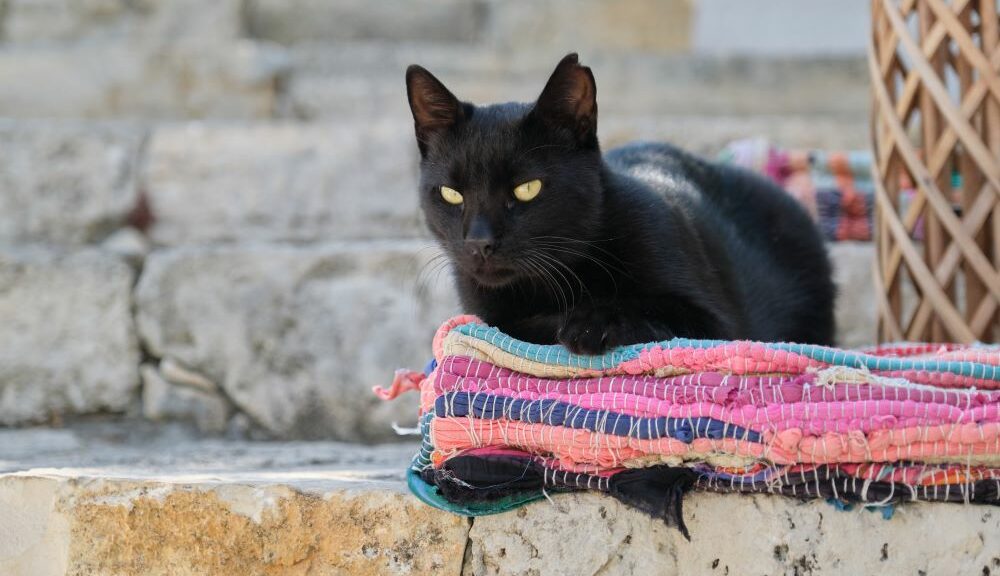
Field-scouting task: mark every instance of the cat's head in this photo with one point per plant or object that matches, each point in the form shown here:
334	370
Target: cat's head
502	185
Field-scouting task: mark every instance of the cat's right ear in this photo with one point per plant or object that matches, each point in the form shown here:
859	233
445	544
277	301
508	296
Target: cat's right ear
569	100
434	107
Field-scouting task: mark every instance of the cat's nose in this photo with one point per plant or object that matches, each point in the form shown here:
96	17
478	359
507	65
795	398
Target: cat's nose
481	247
480	240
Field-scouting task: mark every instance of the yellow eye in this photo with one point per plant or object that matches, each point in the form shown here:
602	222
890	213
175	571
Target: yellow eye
526	192
450	195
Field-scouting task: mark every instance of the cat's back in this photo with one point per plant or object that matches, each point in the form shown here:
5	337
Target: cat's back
663	168
679	176
719	194
773	250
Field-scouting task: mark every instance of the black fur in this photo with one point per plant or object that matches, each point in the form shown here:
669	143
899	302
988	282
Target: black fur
643	244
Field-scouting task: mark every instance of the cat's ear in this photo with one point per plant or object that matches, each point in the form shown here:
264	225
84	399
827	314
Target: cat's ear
569	100
434	107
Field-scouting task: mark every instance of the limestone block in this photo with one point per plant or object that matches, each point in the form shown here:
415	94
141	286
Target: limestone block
76	525
590	26
296	336
57	22
65	183
138	59
283	182
734	534
389	20
69	343
134	80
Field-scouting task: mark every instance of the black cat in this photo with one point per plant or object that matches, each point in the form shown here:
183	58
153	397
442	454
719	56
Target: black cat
550	242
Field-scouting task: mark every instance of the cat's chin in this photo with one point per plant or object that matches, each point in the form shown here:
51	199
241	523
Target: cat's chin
494	277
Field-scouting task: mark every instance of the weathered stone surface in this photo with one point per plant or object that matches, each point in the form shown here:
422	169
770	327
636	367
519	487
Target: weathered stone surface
392	20
127	500
101	58
56	22
164	399
65	183
236	80
129	244
70	523
769	27
320	97
590	26
243	530
707	135
282	182
172	371
147	501
69	343
738	86
133	498
331	80
852	272
296	336
733	534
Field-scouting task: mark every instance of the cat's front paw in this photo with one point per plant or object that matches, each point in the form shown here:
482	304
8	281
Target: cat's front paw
596	330
584	333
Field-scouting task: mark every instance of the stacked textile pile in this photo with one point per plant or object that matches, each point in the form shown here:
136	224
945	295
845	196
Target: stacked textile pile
835	187
503	421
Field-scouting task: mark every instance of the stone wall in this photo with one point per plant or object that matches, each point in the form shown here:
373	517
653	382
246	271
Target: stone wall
207	209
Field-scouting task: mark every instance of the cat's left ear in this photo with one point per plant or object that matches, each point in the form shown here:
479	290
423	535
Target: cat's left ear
569	100
434	107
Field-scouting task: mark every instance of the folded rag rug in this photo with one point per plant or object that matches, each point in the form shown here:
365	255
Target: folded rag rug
836	188
506	422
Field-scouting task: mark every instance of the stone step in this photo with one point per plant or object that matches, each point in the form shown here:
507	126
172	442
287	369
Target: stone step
295	337
140	60
85	503
734	534
455	22
350	179
308	58
268	240
141	80
119	499
77	182
312	58
367	78
279	338
243	79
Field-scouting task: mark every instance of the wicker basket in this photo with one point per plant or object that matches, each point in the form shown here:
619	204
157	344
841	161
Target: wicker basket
935	72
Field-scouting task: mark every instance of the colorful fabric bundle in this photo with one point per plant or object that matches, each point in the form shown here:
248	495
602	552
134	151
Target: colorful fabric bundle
504	421
835	187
